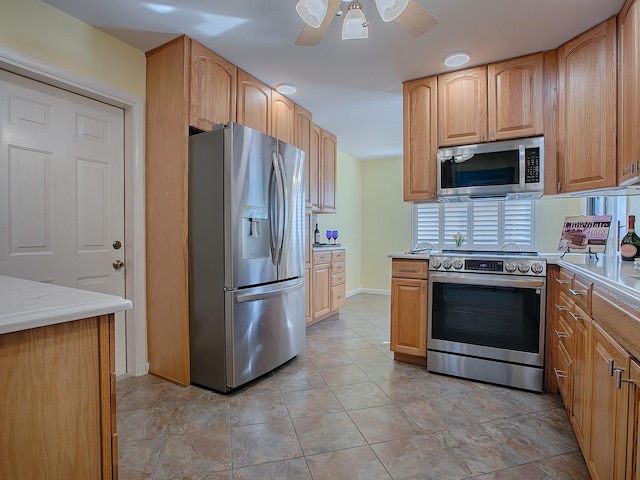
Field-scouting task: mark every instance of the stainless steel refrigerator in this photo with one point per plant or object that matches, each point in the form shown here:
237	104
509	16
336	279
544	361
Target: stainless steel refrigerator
246	255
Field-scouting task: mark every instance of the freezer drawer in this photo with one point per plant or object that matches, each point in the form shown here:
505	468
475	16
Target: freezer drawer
267	328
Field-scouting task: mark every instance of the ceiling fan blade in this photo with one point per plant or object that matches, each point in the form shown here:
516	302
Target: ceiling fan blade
416	20
310	36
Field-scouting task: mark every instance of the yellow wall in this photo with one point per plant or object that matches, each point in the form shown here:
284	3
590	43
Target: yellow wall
386	221
41	31
348	219
551	214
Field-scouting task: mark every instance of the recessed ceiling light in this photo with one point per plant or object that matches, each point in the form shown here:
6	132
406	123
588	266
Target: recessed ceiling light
286	88
456	59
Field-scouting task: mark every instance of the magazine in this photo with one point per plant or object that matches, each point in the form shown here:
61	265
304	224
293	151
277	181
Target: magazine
585	234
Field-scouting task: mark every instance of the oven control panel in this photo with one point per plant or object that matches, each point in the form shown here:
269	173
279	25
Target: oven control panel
477	262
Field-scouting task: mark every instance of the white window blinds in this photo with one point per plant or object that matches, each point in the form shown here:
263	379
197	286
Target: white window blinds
486	225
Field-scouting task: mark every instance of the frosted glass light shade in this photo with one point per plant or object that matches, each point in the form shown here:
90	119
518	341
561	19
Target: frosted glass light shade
352	27
390	9
312	11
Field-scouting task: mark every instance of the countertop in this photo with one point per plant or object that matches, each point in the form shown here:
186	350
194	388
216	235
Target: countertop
609	270
320	248
25	304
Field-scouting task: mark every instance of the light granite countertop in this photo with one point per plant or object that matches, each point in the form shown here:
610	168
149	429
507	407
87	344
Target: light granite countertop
25	304
319	248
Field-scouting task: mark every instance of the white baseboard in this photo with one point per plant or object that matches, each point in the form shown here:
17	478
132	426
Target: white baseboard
372	291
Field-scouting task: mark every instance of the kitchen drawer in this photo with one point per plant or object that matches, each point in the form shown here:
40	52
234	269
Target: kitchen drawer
337	267
409	268
338	278
562	371
338	296
565	333
321	257
338	255
565	280
581	293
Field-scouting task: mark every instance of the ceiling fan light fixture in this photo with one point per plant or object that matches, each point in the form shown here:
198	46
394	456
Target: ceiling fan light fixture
355	24
286	88
390	9
456	59
312	11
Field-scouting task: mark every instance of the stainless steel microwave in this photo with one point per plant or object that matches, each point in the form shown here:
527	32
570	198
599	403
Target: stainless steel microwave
506	169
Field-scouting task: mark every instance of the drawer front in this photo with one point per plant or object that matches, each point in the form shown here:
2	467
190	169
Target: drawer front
321	257
338	296
565	280
338	255
581	293
338	267
565	334
409	268
338	278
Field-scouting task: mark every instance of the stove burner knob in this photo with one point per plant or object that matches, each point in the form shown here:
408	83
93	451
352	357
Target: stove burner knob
536	268
446	264
510	267
523	267
435	263
457	264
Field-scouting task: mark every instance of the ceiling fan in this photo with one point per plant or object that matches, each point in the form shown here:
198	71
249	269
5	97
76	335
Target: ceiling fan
318	14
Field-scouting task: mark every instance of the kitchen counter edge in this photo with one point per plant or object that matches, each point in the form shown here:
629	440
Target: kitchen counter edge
26	304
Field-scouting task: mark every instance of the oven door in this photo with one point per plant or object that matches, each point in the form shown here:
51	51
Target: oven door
498	317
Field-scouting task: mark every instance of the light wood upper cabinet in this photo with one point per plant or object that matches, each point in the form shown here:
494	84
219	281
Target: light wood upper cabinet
253	103
628	94
328	152
515	102
420	139
314	167
587	110
462	107
302	139
212	88
282	118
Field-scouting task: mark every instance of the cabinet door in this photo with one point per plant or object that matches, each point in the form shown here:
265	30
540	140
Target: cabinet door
587	110
328	152
409	316
314	167
580	375
420	139
633	437
302	139
212	89
254	103
462	107
282	118
608	412
628	95
321	285
515	97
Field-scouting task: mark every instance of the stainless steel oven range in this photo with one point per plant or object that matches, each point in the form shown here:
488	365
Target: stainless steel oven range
487	316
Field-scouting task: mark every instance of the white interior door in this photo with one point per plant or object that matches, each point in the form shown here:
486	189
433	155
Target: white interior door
62	190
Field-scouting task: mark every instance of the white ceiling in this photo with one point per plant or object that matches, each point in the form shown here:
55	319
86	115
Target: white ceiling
352	87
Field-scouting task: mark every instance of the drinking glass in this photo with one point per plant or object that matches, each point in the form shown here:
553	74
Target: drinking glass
334	235
328	235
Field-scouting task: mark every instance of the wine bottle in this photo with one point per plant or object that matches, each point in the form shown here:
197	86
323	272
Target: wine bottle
316	235
630	244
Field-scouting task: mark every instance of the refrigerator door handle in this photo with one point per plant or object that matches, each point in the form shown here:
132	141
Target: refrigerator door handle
284	206
274	209
250	297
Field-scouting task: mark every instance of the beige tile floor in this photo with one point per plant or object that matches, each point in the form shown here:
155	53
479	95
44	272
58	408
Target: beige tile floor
343	409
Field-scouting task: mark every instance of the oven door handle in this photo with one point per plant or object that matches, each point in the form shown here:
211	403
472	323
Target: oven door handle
487	280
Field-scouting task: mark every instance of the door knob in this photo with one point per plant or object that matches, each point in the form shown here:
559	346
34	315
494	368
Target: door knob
118	264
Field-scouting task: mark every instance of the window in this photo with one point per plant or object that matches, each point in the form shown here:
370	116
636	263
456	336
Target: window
486	225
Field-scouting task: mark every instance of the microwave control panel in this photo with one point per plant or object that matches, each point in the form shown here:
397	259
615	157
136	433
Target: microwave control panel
532	165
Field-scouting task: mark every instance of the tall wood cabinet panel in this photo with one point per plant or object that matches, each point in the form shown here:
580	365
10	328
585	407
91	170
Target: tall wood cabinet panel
282	118
303	126
420	139
167	119
328	152
550	98
212	88
314	167
628	94
515	101
606	458
587	110
462	107
253	103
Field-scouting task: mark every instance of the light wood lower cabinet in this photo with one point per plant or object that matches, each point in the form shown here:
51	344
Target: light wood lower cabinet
59	402
328	284
409	310
633	429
